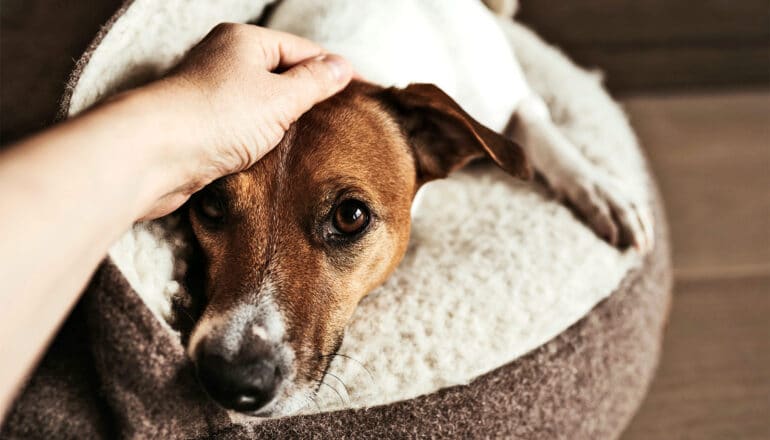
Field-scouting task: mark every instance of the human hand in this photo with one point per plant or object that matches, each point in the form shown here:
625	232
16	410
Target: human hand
233	97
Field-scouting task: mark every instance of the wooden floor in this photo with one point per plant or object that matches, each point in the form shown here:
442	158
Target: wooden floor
711	154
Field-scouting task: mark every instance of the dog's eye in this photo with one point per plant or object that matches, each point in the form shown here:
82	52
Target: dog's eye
350	217
209	206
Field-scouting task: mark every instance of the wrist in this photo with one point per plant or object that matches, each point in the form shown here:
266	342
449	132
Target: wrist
170	122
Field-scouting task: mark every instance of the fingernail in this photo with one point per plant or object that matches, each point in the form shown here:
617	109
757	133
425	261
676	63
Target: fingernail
337	65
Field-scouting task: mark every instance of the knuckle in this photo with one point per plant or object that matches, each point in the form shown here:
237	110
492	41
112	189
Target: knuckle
306	69
234	32
312	79
224	28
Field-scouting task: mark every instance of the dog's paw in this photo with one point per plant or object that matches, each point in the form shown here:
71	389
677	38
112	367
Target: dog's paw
606	207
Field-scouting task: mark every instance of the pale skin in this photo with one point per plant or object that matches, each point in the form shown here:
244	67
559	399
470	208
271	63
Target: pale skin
69	192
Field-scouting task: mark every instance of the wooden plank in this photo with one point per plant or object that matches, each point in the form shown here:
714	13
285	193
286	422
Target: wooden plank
635	22
714	379
629	70
711	154
661	44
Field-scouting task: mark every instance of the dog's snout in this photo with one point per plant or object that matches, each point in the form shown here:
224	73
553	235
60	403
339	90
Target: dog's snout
244	381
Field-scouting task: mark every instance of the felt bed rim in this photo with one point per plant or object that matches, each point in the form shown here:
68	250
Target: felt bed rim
85	58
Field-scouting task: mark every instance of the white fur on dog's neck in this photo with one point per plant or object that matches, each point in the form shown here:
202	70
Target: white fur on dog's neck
494	268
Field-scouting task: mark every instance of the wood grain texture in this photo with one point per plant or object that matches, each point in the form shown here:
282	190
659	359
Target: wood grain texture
714	379
677	68
711	154
634	22
661	44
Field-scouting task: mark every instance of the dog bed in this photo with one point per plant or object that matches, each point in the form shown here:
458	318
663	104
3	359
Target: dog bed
524	325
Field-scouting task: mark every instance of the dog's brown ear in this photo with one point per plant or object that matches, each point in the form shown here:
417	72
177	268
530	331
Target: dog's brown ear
444	137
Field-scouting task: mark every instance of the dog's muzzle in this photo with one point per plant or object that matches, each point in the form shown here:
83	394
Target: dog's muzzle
245	380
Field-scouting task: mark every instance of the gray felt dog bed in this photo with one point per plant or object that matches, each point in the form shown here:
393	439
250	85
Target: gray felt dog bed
541	329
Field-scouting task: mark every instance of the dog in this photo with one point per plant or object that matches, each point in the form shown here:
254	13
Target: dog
292	244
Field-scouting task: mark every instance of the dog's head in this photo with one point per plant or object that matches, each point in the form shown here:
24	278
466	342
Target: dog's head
294	243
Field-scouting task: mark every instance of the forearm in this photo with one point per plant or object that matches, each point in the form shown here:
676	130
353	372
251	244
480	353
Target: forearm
67	194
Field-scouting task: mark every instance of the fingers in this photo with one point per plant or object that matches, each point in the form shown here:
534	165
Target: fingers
288	49
270	48
314	80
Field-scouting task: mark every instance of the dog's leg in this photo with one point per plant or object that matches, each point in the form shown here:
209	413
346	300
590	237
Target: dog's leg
594	194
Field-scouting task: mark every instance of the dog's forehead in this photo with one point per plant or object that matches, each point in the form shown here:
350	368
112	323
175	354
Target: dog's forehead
351	137
348	128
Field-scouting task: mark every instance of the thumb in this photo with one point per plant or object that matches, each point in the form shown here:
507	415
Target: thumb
314	80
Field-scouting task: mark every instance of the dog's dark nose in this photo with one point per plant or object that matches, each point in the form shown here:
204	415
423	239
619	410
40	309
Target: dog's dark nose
245	381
